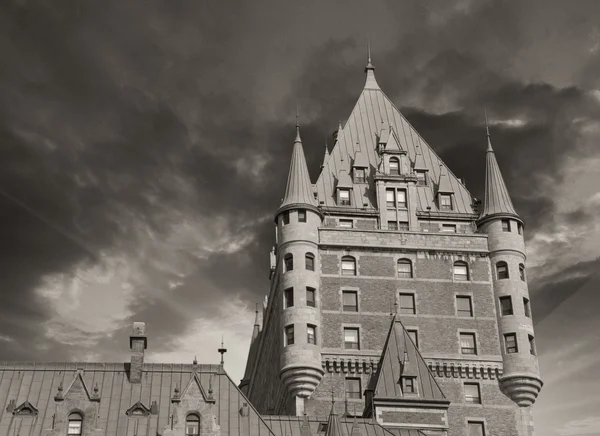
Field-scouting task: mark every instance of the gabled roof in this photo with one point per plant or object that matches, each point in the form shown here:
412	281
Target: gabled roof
293	426
373	113
397	350
393	143
360	161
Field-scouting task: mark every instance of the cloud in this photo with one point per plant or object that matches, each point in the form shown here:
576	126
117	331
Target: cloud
587	426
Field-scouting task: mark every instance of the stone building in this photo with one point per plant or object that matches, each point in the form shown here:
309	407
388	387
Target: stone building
394	290
397	307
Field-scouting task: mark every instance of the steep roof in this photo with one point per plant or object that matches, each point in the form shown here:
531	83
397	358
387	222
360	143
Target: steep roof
298	190
497	199
373	113
398	350
292	426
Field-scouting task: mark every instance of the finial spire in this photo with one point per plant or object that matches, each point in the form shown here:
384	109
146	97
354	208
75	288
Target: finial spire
371	82
487	130
297	125
222	350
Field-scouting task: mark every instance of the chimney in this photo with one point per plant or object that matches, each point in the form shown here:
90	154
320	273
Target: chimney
138	343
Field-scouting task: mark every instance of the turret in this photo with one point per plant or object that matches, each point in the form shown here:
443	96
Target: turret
521	376
298	219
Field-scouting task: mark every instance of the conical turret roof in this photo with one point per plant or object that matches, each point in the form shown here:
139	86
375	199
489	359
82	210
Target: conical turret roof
298	191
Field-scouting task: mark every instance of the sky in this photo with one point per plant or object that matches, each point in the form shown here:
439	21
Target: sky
144	148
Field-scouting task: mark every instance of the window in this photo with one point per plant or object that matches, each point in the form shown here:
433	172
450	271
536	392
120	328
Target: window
449	228
351	340
467	343
475	428
414	336
522	272
408	385
288	297
310	297
192	425
359	175
289	335
445	202
502	270
348	266
286	217
472	393
421	178
390	198
526	307
510	341
311	334
401	197
506	225
309	260
461	271
394	167
531	345
407	304
348	224
506	307
344	197
75	424
520	228
288	260
301	215
464	308
403	226
350	301
392	225
405	269
353	389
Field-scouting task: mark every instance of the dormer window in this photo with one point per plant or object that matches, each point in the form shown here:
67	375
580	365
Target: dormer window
344	197
408	385
394	167
421	178
445	202
359	175
75	424
192	425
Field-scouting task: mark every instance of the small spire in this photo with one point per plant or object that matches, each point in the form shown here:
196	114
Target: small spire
222	350
371	82
487	131
297	126
326	157
195	362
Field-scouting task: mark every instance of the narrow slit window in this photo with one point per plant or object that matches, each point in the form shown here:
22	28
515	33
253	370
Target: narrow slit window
414	336
522	272
285	217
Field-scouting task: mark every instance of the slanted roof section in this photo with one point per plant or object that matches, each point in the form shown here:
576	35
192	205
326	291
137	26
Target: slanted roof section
370	119
293	426
360	161
497	199
298	191
393	143
399	349
444	185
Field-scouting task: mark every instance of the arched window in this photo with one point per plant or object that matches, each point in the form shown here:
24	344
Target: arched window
461	271
394	167
288	259
309	261
405	269
348	266
192	425
75	424
502	270
522	271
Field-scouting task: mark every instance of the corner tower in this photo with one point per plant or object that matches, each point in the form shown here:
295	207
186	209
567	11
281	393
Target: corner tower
298	220
521	380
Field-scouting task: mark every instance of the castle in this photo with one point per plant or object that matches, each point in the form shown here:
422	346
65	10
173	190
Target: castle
397	306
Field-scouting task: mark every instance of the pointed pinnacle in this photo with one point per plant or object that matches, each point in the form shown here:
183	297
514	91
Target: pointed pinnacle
297	125
487	131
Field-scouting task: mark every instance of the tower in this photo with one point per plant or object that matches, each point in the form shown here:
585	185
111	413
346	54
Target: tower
297	283
521	377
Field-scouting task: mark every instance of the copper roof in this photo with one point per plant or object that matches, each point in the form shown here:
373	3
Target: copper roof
372	116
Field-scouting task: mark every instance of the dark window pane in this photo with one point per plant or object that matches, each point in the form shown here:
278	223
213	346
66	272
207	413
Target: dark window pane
350	301
463	306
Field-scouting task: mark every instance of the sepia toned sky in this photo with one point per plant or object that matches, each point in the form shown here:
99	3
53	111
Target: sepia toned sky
144	148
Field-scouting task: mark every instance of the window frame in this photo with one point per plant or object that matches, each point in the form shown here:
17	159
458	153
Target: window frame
390	204
502	270
393	225
527	307
348	259
346	221
446	205
415	338
532	347
309	260
310	291
506	225
285	217
75	416
421	181
449	228
509	309
357	395
312	327
401	193
409	273
470	399
511	349
474	348
480	424
359	174
352	329
287	301
347	307
403	226
342	201
407	310
396	171
288	262
522	272
301	215
409	382
460	311
458	277
196	420
289	333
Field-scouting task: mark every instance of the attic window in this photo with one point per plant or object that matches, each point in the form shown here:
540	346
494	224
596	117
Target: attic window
445	202
359	175
138	412
421	178
344	197
408	385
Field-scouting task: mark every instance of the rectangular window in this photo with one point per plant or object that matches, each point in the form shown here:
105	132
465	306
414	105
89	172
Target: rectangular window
506	225
390	198
402	198
449	228
350	301
472	393
475	428
351	339
408	385
74	427
392	225
286	217
414	336
510	341
407	304
502	270
421	178
467	343
301	215
461	273
506	307
464	308
289	335
288	296
359	175
526	307
520	228
309	262
531	345
311	334
445	202
310	297
344	197
347	224
353	389
403	226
